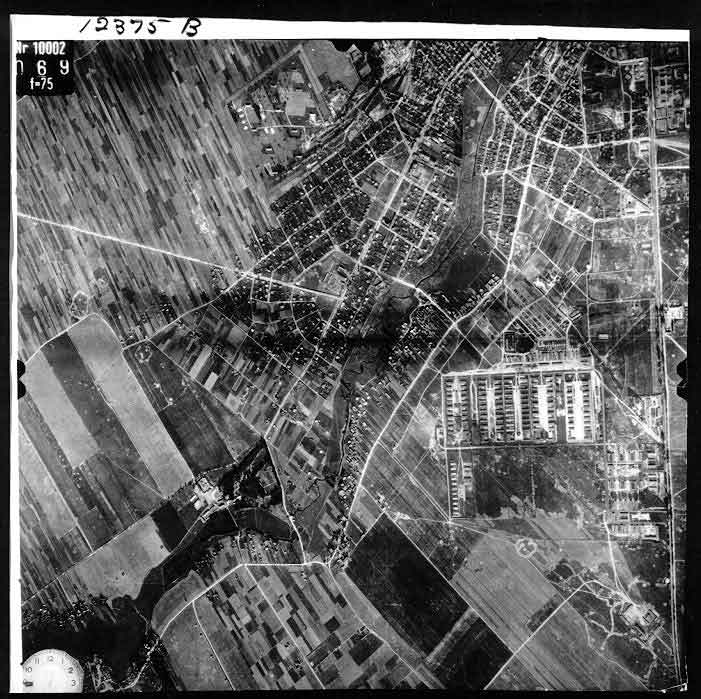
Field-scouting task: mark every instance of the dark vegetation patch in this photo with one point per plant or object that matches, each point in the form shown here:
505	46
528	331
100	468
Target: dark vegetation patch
253	479
553	478
194	436
263	521
520	477
591	607
407	590
649	563
197	549
682	388
170	527
363	646
89	628
544	612
472	655
636	658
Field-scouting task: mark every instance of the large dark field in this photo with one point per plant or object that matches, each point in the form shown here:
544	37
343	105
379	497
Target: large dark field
408	591
472	657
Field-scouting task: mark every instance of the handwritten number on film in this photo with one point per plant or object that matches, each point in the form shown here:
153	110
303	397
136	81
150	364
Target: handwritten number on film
135	24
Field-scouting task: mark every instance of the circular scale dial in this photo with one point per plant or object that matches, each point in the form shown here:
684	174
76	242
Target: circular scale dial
52	671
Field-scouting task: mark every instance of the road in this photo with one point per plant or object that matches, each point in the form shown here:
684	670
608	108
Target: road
659	301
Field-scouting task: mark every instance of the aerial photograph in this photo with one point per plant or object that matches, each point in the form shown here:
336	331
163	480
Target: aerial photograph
354	364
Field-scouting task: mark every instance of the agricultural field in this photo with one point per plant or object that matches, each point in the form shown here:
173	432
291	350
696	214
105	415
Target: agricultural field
65	278
311	649
356	364
419	603
208	435
96	482
187	646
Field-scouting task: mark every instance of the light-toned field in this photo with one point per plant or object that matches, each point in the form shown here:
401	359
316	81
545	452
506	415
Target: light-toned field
58	517
504	588
94	460
119	567
515	676
192	657
235	665
325	58
61	417
559	537
560	657
176	598
114	279
387	477
101	352
508	591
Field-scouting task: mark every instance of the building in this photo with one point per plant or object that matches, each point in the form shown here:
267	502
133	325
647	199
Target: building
461	490
635	526
642	617
552	401
544	395
206	493
629	471
676	316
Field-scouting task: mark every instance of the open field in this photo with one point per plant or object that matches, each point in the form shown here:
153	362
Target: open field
560	656
327	630
207	433
418	601
94	453
119	567
192	656
241	613
102	355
